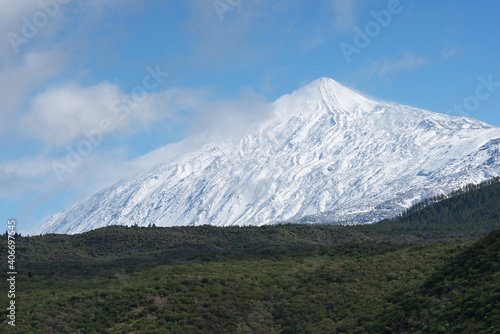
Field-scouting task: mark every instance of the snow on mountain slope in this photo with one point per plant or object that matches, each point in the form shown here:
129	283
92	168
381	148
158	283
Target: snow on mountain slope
327	153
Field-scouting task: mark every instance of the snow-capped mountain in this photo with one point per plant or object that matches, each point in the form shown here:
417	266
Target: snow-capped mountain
327	153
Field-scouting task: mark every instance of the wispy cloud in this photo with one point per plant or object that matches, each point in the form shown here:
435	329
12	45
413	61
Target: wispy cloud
222	43
345	14
231	41
385	67
19	80
451	51
11	14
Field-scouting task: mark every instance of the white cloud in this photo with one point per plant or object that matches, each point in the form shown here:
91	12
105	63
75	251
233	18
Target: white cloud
61	115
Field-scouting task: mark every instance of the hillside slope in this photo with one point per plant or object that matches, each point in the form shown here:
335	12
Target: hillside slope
462	296
425	275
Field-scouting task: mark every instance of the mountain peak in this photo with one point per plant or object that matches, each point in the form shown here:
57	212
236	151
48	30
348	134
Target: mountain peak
329	83
323	90
330	152
341	93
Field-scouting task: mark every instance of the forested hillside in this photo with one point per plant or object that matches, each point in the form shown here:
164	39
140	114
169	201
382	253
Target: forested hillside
471	209
434	269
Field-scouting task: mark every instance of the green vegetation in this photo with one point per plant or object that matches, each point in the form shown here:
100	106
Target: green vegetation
468	212
425	271
461	296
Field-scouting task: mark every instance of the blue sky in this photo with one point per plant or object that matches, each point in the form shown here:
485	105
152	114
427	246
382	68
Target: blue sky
119	81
